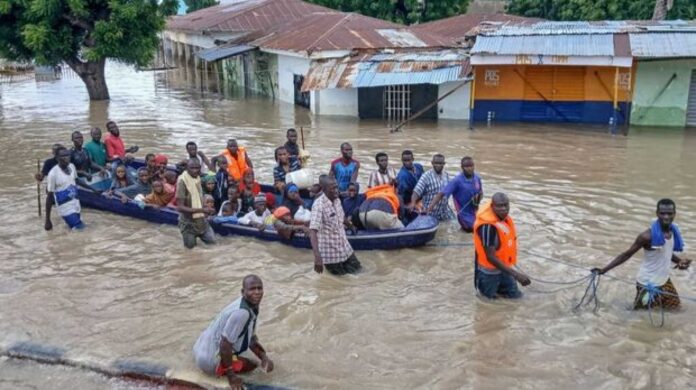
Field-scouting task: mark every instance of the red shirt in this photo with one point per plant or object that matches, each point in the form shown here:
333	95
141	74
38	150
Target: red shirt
255	188
114	147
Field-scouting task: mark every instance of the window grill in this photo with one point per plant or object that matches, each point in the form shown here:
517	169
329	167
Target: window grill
397	103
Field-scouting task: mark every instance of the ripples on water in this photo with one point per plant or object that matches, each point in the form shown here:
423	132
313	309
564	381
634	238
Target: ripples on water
127	288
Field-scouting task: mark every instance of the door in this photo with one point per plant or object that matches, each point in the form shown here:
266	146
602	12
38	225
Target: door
691	105
301	98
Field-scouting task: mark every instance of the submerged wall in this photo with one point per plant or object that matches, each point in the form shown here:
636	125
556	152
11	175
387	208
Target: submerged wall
657	101
456	105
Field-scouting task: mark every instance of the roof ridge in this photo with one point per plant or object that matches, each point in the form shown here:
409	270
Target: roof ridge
343	20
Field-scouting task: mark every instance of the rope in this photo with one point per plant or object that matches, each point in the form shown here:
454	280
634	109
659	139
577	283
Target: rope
590	293
653	293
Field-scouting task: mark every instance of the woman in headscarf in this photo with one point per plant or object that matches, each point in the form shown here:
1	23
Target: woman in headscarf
158	197
209	185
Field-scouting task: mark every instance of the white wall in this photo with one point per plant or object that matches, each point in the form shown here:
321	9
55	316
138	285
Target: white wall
287	67
456	105
338	102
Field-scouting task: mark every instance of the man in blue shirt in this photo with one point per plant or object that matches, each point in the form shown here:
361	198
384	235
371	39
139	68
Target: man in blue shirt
467	191
408	176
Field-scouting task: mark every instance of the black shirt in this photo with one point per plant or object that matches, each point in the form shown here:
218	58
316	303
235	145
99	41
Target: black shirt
48	165
80	159
293	149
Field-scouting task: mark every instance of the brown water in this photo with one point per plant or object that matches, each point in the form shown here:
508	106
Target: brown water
127	288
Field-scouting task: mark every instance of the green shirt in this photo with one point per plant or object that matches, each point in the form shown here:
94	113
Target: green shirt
97	152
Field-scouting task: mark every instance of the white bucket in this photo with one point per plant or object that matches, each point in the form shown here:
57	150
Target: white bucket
304	178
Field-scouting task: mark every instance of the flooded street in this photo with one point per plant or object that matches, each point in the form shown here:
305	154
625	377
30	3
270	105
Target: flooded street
128	288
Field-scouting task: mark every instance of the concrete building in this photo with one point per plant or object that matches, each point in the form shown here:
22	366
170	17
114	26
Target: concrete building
665	87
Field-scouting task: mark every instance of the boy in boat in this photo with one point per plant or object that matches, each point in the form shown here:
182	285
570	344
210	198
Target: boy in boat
659	243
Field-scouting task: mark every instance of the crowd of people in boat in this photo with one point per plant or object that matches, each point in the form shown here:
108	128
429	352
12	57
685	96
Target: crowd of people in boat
231	193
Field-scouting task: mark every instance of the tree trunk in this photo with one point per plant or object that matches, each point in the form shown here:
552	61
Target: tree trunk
92	74
661	8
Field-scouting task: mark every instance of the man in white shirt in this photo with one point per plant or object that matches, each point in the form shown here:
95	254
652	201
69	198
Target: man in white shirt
62	192
257	217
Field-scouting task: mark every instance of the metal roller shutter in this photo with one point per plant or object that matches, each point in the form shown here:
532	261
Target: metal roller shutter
691	105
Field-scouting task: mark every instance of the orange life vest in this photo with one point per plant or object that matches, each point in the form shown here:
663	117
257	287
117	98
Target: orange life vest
386	192
507	236
236	166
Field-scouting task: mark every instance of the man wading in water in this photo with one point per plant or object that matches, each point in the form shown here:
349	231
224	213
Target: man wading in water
189	202
659	243
231	333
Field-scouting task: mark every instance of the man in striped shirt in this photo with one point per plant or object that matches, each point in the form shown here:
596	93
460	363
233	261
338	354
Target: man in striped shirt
384	173
431	184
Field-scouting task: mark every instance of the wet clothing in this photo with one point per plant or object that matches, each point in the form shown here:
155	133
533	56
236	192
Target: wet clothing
428	186
463	190
80	159
667	297
115	149
97	152
135	189
656	264
279	172
344	172
501	285
408	180
64	190
236	323
327	221
195	225
350	266
378	178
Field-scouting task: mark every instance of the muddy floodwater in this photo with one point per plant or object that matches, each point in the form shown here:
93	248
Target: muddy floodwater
127	288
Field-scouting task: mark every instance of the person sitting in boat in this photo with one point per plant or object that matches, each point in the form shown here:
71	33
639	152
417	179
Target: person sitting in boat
238	161
294	202
159	197
286	164
384	174
249	188
141	186
380	210
115	148
169	184
81	160
193	152
233	201
351	203
150	164
222	178
257	217
291	145
210	188
286	226
121	178
160	167
345	169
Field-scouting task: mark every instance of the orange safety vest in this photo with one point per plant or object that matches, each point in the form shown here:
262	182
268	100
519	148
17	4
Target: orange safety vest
507	236
386	192
236	167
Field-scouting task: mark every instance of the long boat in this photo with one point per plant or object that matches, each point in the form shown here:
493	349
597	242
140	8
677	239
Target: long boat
418	233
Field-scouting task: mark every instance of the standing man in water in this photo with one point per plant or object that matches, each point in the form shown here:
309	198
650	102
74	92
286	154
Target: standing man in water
115	148
238	161
291	145
189	202
429	186
217	351
408	176
49	163
327	234
345	169
193	152
95	148
467	190
659	242
495	242
62	192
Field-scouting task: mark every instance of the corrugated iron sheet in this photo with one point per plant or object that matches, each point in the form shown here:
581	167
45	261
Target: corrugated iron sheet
386	69
554	45
218	53
663	45
458	27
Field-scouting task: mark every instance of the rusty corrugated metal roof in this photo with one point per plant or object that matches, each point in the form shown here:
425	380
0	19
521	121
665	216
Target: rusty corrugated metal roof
246	16
320	31
460	26
379	69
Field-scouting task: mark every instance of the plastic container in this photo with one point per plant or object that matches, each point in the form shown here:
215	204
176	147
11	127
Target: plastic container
303	179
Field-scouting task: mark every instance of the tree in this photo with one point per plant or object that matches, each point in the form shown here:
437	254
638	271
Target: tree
195	5
400	11
83	34
599	9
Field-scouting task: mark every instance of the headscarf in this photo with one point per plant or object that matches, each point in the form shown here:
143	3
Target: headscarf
161	159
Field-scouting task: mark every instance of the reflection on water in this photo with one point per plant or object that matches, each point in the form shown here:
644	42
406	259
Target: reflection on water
411	320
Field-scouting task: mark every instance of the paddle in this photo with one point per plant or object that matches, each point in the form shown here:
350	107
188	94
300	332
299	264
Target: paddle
38	187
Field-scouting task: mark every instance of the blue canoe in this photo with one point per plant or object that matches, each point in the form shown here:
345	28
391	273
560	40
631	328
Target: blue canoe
418	233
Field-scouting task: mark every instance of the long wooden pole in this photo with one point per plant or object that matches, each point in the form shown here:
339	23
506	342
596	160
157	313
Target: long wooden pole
38	187
426	108
302	136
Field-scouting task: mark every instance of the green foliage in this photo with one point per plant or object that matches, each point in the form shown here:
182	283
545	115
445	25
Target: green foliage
598	9
52	31
195	5
400	11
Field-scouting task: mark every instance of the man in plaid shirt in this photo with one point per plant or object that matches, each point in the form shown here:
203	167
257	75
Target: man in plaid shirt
327	233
